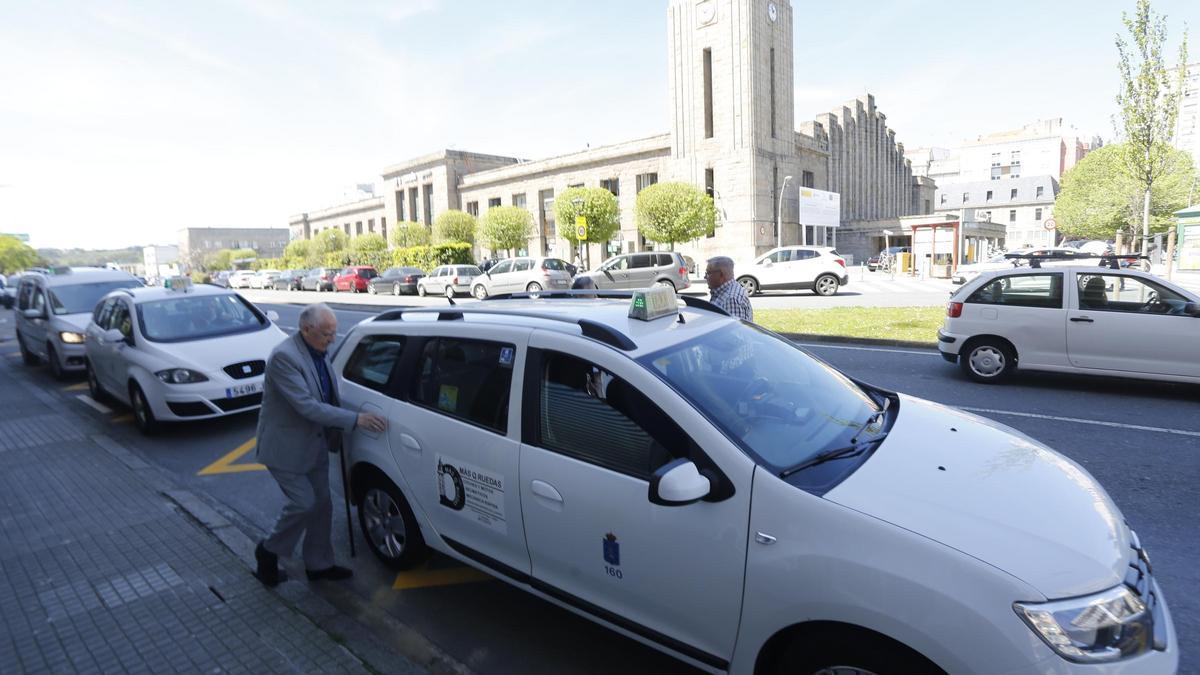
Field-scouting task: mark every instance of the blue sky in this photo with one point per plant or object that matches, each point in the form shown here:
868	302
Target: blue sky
121	122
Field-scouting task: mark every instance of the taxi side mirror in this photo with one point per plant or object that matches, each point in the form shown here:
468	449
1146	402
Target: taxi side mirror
34	314
1192	309
678	483
112	336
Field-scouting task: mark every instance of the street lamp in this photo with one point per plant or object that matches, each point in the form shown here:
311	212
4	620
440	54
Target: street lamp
779	214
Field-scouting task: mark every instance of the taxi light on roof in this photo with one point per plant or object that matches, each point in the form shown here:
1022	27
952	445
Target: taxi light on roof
653	303
180	284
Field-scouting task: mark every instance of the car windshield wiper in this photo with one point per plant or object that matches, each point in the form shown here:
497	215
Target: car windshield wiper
827	456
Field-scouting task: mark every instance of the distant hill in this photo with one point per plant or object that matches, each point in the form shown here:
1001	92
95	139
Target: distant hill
85	258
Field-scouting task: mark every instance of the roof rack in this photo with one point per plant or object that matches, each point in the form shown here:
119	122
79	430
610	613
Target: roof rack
1111	260
689	301
592	329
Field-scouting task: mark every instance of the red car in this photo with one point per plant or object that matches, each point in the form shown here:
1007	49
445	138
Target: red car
354	279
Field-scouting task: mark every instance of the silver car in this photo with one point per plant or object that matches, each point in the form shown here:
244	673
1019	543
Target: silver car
641	270
522	274
449	280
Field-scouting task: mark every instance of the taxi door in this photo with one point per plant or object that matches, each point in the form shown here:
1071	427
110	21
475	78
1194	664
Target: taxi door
595	426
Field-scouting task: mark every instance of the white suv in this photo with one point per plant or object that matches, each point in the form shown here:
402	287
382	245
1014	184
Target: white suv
707	488
818	268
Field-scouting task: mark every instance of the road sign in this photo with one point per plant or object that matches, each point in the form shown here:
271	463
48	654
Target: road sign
1050	224
581	228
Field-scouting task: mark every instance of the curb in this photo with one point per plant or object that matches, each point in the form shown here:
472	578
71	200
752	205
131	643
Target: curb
843	339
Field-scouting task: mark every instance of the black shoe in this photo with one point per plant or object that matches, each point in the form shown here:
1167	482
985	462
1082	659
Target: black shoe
268	570
333	573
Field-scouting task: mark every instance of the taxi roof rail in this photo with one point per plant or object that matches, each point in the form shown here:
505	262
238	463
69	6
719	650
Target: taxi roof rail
688	300
1111	260
592	329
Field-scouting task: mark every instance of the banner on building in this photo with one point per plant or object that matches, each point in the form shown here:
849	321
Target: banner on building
820	208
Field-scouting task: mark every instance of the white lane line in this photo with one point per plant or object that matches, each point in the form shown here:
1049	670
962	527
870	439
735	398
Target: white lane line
1079	420
91	403
826	345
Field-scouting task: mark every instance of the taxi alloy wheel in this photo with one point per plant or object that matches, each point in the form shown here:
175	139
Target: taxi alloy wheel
94	389
750	284
56	368
987	361
480	292
826	285
389	526
143	416
27	357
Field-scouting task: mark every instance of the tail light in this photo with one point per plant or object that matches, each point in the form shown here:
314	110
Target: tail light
455	282
840	261
683	271
954	310
408	279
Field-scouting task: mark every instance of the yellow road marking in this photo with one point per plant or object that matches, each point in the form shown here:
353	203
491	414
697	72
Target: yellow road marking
122	419
226	463
423	577
79	386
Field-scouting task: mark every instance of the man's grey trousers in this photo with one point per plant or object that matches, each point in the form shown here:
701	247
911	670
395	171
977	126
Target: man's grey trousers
308	511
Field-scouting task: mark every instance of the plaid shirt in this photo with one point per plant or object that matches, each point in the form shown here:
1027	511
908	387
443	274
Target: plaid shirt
732	298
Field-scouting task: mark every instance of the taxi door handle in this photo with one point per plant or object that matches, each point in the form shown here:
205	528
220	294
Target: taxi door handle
764	538
410	444
1082	319
545	491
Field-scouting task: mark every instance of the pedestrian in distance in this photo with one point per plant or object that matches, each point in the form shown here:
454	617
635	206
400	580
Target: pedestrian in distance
299	425
485	264
725	291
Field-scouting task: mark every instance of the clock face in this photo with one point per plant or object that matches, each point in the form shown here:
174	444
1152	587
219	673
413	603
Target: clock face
772	12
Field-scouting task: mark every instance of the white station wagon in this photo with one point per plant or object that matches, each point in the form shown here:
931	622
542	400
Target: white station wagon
706	487
1089	320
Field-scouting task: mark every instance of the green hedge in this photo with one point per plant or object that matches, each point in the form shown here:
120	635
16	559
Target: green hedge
429	257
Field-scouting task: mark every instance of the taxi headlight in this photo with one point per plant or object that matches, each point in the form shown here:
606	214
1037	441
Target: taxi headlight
71	338
1108	626
180	376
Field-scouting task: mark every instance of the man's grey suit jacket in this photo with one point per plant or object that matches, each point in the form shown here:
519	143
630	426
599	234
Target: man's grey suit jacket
293	420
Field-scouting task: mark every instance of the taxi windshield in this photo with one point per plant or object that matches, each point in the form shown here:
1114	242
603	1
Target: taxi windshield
80	298
197	317
781	405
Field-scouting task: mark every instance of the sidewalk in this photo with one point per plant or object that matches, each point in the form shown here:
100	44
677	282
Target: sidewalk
102	571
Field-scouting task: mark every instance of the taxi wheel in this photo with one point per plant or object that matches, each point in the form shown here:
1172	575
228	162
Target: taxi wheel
842	652
27	357
56	368
389	526
94	389
825	285
750	284
987	360
143	416
480	292
420	290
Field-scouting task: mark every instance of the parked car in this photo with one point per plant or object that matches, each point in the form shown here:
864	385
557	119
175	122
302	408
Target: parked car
8	296
449	280
264	279
396	280
641	270
354	279
53	310
1081	319
289	280
709	488
1004	261
241	278
522	274
893	251
816	268
221	278
320	279
179	353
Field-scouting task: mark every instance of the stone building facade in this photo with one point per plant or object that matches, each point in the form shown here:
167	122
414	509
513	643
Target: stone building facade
197	243
732	132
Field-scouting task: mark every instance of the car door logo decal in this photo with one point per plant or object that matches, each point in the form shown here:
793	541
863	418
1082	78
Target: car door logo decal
612	549
475	492
506	356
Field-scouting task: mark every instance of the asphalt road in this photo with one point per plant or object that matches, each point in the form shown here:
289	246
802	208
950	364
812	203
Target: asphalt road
1140	439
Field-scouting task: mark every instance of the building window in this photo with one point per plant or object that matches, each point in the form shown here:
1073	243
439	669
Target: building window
518	200
412	204
1012	194
399	206
493	202
995	159
988	198
613	185
346	227
926	209
1037	214
473	208
383	227
710	189
808	179
708	94
1039	191
358	228
370	225
1012	215
966	196
943	200
429	205
1015	158
546	215
772	92
575	185
645	180
996	172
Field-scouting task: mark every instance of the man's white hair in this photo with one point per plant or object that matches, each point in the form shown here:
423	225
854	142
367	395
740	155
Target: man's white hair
313	314
723	263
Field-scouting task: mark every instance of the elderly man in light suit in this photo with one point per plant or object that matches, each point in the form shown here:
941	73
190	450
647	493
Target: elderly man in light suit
299	424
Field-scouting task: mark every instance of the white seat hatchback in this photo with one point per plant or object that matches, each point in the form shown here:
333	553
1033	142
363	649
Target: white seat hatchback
706	487
1088	320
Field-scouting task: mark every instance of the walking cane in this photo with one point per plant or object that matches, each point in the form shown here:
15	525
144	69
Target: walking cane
346	498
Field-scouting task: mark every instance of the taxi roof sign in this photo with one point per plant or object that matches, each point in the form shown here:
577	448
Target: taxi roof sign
179	284
653	303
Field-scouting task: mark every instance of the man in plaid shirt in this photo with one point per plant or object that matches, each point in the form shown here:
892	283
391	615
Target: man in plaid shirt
727	293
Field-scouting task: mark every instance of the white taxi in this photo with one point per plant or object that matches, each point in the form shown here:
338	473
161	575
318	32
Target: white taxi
180	352
1087	320
706	487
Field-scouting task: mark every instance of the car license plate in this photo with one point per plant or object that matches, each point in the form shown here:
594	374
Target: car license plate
559	282
243	389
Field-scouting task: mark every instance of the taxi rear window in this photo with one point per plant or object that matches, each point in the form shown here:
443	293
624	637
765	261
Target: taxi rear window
1022	290
466	379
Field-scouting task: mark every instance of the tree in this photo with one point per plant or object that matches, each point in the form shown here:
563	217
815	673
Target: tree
506	228
243	254
297	254
16	255
597	205
674	212
368	242
408	234
1099	197
454	225
1149	101
331	240
221	260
